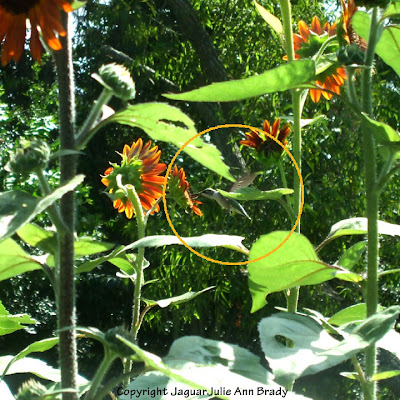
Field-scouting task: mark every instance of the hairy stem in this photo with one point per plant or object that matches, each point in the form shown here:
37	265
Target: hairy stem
372	192
66	283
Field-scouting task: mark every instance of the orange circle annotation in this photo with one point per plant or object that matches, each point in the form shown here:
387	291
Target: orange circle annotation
169	171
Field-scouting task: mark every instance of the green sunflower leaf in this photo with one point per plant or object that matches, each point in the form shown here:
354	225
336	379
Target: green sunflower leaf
359	226
183	298
14	261
294	263
169	124
255	194
388	47
314	349
270	19
386	136
286	76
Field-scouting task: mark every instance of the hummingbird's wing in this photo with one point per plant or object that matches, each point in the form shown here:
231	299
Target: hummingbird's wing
246	179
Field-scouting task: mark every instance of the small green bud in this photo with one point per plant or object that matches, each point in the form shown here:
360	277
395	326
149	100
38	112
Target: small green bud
117	78
33	390
349	55
115	345
29	157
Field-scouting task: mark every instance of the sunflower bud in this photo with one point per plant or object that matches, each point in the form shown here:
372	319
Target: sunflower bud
29	157
32	390
349	55
117	78
115	345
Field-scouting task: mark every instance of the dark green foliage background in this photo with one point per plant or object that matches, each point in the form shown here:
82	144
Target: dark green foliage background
149	34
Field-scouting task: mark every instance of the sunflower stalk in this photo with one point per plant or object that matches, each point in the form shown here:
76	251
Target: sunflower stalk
292	297
66	282
131	194
372	193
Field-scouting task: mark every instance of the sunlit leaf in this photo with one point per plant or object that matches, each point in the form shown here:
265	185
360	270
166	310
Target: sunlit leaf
38	237
386	136
169	124
14	261
388	47
270	19
203	364
314	349
385	375
295	263
286	76
359	226
209	240
354	313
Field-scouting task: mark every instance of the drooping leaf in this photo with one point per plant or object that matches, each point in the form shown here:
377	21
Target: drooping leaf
388	47
183	298
92	264
286	76
314	350
18	208
39	346
359	226
209	240
169	124
250	193
295	263
14	261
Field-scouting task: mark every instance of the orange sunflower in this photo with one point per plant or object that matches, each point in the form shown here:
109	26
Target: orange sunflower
179	188
42	14
263	143
350	34
267	151
307	44
140	167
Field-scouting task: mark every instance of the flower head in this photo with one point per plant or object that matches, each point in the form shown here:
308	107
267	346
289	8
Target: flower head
42	14
350	35
267	150
307	44
179	189
140	168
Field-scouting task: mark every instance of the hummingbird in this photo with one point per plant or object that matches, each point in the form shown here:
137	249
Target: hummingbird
231	204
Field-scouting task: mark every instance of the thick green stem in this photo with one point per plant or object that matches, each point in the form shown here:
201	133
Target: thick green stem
66	283
372	193
292	297
53	210
108	359
134	198
86	132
